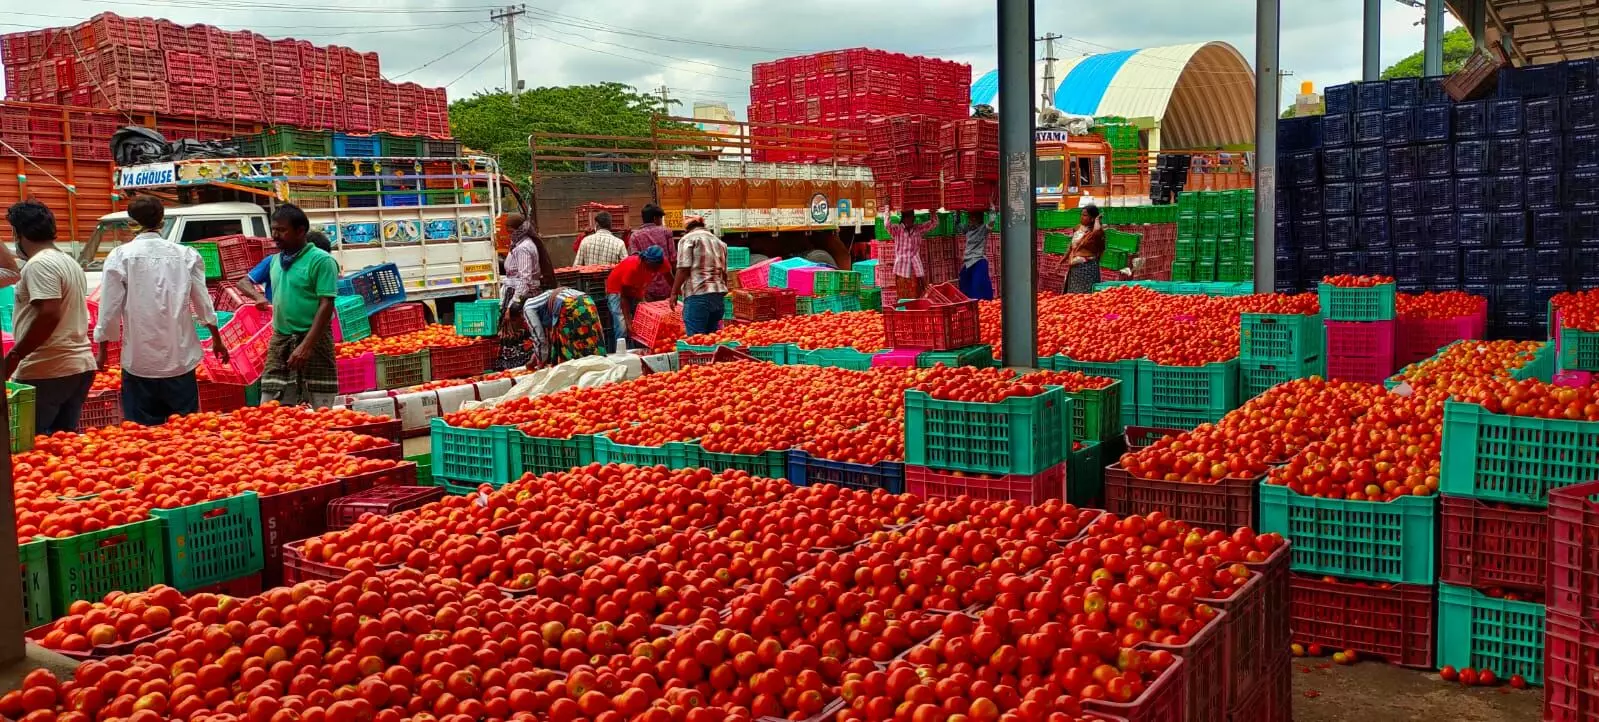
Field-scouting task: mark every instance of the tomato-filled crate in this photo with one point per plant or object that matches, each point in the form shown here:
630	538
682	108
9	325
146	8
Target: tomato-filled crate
1125	371
1024	488
1579	350
1255	377
34	559
1574	550
771	464
1392	622
807	470
932	326
1227	504
456	362
1019	435
398	371
380	500
1490	545
1205	670
1381	541
671	454
1279	337
471	456
358	374
213	541
1514	459
1085	471
980	356
289	516
101	408
844	358
399	319
1163	700
124	558
1372	303
1360	351
1212	387
1483	632
1417	339
538	455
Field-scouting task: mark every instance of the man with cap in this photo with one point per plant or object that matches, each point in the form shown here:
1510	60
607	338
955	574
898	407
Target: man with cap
625	286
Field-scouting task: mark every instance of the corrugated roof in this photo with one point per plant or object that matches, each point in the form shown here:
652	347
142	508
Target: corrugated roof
1083	88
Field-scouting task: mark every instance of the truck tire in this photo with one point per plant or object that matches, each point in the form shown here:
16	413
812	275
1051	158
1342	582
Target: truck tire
820	256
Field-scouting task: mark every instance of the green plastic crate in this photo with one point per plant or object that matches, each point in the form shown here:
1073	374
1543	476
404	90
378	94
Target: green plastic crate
880	231
844	358
1482	632
479	318
835	283
672	454
867	270
1051	219
1234	271
871	299
782	354
424	468
1206	250
211	256
1125	371
738	257
1057	243
1209	226
1085	472
1254	377
397	146
204	333
981	356
20	405
1541	367
1020	435
126	558
471	456
213	541
1579	350
1279	337
1114	260
1097	413
249	146
1182	271
1394	541
1356	304
34	558
288	140
1122	241
252	394
767	464
1212	387
1173	418
353	322
1514	459
398	372
539	456
1205	271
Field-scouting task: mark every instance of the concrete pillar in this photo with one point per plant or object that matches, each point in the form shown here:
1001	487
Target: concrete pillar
1019	315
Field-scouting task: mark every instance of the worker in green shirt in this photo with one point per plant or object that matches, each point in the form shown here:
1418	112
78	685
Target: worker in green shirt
300	365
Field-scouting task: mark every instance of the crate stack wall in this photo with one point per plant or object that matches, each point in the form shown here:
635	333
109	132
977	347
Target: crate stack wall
1215	236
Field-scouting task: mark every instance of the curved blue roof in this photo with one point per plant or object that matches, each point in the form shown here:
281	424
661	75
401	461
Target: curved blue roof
985	88
1082	88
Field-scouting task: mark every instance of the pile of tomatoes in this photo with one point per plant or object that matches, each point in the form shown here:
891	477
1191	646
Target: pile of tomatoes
1439	305
1578	309
1392	450
434	336
976	385
1463	363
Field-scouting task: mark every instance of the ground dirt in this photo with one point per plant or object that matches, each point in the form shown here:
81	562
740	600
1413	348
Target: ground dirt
1373	692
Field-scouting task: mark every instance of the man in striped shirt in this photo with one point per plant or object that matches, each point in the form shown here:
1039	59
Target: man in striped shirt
600	248
910	277
655	235
701	278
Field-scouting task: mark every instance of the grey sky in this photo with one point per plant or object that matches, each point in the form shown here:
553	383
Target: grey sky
703	50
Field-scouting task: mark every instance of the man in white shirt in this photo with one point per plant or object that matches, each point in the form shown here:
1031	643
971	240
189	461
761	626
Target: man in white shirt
600	248
147	290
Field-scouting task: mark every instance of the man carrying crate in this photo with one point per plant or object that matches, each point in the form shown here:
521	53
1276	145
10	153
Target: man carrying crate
151	290
300	367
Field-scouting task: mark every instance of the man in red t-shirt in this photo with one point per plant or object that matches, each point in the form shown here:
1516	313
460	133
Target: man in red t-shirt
624	288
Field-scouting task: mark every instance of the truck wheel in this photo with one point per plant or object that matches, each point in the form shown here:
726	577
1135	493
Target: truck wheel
820	256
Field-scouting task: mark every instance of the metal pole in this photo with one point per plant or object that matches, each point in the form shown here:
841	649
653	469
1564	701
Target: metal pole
1476	22
509	15
1371	42
1047	100
1019	312
1432	48
1268	26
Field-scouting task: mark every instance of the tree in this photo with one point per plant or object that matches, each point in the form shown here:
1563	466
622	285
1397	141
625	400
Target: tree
1458	46
492	123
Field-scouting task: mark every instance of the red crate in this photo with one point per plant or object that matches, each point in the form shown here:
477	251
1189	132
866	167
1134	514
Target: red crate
387	429
980	164
1570	669
458	362
1486	545
1244	637
1225	505
296	568
1417	339
1395	624
655	323
399	319
933	327
102	408
1162	701
919	195
1204	670
763	304
1027	489
1360	350
380	500
221	398
290	516
1275	590
242	587
1574	550
1271	699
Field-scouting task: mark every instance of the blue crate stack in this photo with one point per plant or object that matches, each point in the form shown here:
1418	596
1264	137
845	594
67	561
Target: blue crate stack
1497	196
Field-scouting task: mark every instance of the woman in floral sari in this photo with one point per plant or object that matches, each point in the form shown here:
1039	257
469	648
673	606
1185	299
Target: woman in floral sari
563	324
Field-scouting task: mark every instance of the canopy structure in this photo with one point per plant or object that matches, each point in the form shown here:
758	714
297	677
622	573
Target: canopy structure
1201	94
1540	31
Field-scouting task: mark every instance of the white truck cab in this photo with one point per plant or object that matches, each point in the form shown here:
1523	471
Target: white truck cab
183	224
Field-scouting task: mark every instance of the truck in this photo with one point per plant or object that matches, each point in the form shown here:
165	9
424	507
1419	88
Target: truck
435	219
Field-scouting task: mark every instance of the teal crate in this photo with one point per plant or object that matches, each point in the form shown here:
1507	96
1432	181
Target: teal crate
1174	419
1541	367
829	304
354	324
844	358
477	319
672	454
703	348
738	257
125	558
1356	304
1579	350
1097	413
1057	243
1212	387
835	283
981	356
1085	472
1214	288
204	334
471	456
1122	241
1125	371
1254	377
727	305
213	541
782	354
399	146
1020	435
538	456
777	273
1394	541
767	464
1482	632
1514	459
1279	337
867	271
287	140
34	558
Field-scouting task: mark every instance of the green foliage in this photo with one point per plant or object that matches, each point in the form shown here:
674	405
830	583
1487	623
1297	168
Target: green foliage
1458	46
492	123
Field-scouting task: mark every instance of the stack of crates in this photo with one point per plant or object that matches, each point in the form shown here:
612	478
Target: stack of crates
1182	397
1360	338
1274	348
1015	449
1571	641
1215	236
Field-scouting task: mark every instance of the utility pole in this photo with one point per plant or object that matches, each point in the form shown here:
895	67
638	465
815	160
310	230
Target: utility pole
509	16
1049	69
666	101
1019	314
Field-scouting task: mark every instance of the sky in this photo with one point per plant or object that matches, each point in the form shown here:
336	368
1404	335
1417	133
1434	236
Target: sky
702	51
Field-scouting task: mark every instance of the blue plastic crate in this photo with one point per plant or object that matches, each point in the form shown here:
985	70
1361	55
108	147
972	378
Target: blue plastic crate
1477	265
1584	268
401	200
1399	126
1508	227
1315	264
1507	192
1506	155
1550	261
1582	150
1348	264
1306	201
1371	197
1439	228
1379	263
1580	76
1542	191
1407	232
1471	156
1371	162
1471	229
1338	199
355	146
1471	119
1435	160
1437	194
1371	96
1581	111
1432	122
1337	130
1582	227
1444	270
1544	154
1432	91
1339	99
1510	262
1299	134
1402	162
1304	168
1337	164
1372	232
1369	128
1340	232
1410	265
1531	81
1542	291
1547	228
1471	191
1404	197
1506	117
1542	116
1307	234
1582	188
1404	93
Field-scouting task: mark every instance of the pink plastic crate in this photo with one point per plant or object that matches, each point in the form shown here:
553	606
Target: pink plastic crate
1571	668
1360	350
755	276
1571	379
358	374
904	358
246	337
803	280
1574	550
1417	339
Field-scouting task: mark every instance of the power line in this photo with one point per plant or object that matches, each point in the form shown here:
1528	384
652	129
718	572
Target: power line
457	49
479	64
631	58
664	55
